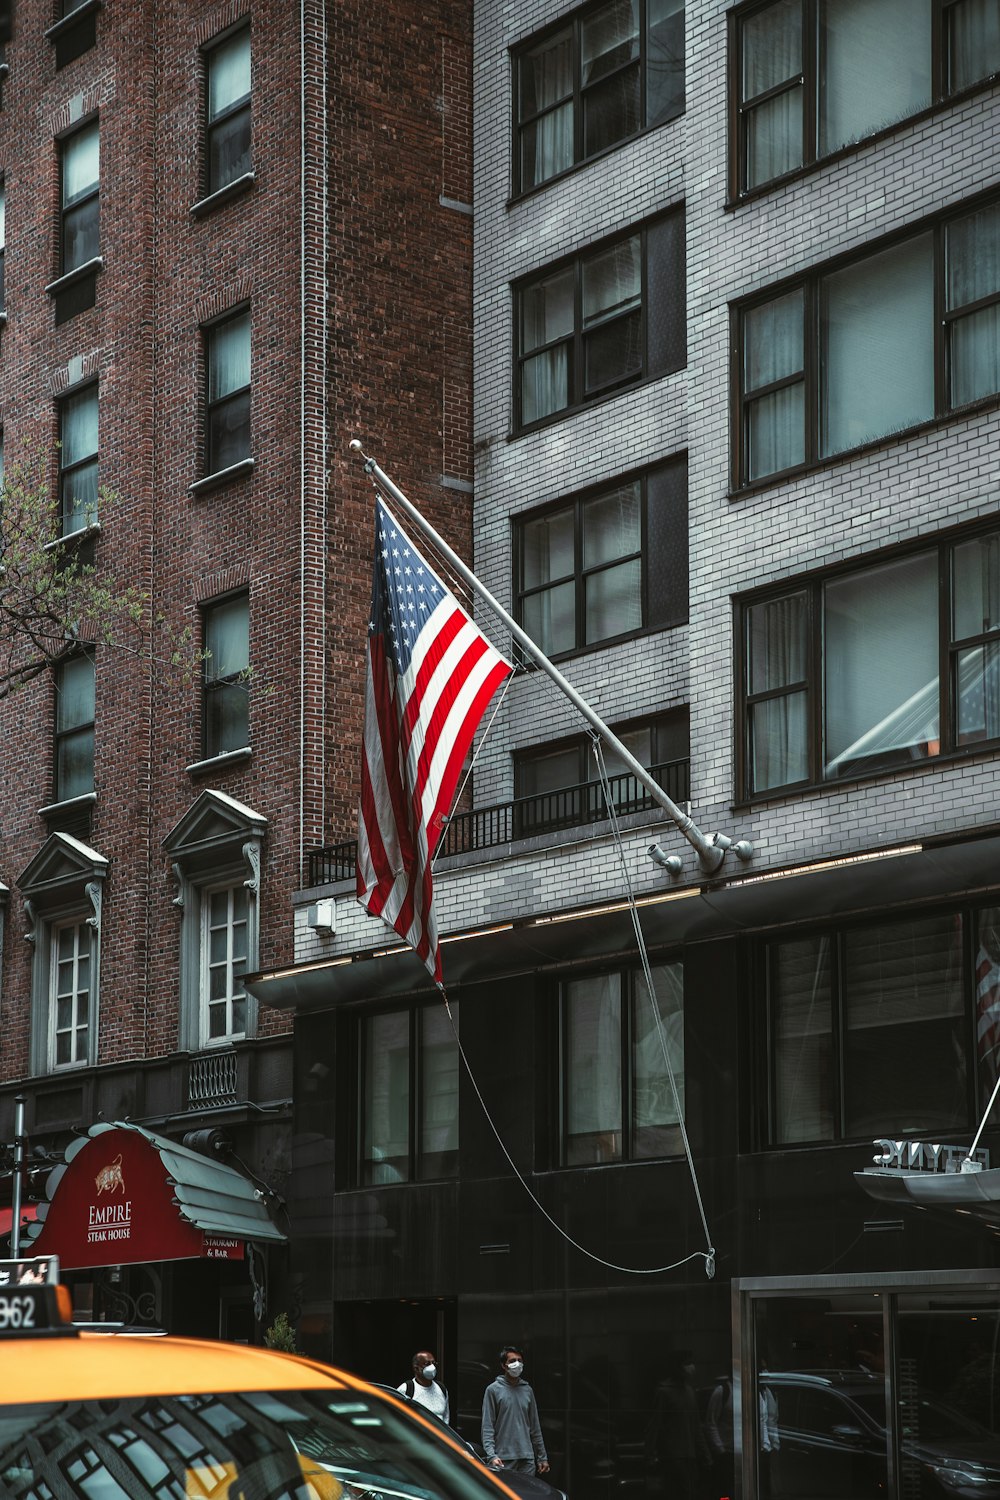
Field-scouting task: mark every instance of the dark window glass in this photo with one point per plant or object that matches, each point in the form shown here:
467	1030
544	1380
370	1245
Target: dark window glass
228	404
74	718
874	368
78	415
608	564
228	111
69	996
409	1095
859	1021
868	643
607	320
80	163
623	1066
815	76
226	702
615	68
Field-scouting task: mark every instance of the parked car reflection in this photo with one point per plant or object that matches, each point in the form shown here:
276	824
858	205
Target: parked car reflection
834	1442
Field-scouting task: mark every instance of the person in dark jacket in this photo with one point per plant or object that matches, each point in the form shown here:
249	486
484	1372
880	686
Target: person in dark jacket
675	1435
512	1433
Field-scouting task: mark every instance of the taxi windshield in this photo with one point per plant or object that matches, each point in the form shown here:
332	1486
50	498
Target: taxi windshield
252	1445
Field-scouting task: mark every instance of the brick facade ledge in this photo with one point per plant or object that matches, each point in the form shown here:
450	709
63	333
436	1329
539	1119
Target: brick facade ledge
221	476
79	273
219	762
234	189
85	799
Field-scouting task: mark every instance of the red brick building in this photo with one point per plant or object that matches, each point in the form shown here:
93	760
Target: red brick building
239	236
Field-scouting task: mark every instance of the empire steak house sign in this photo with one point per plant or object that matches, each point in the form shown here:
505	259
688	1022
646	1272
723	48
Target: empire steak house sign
115	1205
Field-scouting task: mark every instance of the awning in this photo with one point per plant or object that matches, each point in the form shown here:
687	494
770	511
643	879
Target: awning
973	1193
124	1195
28	1214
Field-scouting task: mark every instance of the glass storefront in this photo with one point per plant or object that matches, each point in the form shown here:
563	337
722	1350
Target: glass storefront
855	1388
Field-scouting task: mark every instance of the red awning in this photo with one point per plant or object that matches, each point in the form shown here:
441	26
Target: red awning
29	1213
126	1196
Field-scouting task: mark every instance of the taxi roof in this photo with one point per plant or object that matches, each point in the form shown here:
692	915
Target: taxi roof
92	1366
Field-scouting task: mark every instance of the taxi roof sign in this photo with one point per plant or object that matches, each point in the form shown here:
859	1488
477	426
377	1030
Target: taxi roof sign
42	1270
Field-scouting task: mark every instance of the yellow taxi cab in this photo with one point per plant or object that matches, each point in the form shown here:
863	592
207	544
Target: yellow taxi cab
86	1417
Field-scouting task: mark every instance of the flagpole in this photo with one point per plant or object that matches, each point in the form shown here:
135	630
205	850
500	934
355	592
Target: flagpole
711	851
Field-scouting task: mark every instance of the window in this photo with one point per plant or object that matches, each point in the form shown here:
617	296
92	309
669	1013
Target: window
859	1018
224	948
559	786
409	1095
215	852
75	31
63	892
611	71
227	135
80	164
815	76
69	998
608	564
858	353
602	321
226	705
227	435
78	460
843	675
74	719
617	1100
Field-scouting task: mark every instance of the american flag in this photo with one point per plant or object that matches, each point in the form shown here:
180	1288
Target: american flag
431	675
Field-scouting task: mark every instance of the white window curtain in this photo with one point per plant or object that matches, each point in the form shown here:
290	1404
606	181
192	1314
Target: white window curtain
877	346
974	42
229	357
773	350
973	272
546	91
228	74
875	66
593	1079
548	553
227	639
654	1107
81	163
779	751
613	596
801	1024
880	646
78	431
772	55
547	314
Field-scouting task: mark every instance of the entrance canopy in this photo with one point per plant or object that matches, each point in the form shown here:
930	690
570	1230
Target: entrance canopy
125	1195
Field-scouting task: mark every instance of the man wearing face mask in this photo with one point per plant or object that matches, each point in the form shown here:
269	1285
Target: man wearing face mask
424	1387
512	1433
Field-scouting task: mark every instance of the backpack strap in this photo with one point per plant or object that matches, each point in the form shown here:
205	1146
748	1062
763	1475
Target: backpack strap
409	1389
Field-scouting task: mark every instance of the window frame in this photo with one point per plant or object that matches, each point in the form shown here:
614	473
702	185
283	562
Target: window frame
60	737
362	1173
812	586
244	393
212	685
80	1055
235	989
579	503
67	470
574	23
810	376
82	199
763	1050
575	341
628	973
243	105
941	96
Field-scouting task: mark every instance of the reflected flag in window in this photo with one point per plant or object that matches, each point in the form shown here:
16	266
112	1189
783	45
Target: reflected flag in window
431	674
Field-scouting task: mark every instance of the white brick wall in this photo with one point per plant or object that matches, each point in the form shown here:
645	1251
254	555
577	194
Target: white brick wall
848	509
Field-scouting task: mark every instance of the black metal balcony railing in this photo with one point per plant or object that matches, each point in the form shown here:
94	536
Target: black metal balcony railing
488	827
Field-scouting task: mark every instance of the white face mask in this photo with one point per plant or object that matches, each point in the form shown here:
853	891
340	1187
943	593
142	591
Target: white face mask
429	1372
514	1368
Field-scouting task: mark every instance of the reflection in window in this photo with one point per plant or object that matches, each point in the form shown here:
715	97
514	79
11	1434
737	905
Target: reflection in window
78	471
868	1029
80	163
227	144
74	750
225	696
409	1095
227	435
620	1046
